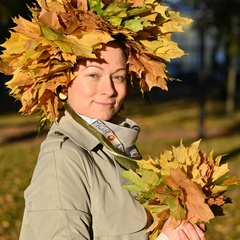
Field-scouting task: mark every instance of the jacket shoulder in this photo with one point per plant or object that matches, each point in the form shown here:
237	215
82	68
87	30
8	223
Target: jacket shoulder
61	148
57	140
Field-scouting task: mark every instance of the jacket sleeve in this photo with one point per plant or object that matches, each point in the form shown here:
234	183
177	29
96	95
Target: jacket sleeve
58	198
162	236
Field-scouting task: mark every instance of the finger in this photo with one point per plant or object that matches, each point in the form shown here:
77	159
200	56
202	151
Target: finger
200	231
182	235
203	227
194	232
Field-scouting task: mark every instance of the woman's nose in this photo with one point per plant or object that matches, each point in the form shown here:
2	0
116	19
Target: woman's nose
107	86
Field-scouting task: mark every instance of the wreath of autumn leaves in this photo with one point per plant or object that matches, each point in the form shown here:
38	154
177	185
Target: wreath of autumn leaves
41	53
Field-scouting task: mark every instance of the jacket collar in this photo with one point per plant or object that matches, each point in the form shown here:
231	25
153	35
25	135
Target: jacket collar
81	136
74	131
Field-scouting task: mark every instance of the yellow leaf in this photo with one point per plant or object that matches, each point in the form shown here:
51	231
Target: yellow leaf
171	27
84	46
193	151
203	169
158	221
20	79
230	181
69	57
27	28
168	155
15	44
162	10
216	189
170	165
180	154
153	46
218	160
170	51
219	171
148	164
48	3
175	16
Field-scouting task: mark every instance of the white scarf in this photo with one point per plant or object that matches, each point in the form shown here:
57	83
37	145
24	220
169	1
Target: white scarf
122	137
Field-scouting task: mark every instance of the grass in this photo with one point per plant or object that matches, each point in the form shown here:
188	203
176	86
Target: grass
162	124
16	165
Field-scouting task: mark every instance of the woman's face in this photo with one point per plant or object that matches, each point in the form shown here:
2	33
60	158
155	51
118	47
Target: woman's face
99	88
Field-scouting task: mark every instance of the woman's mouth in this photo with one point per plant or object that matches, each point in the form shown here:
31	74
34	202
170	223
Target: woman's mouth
105	104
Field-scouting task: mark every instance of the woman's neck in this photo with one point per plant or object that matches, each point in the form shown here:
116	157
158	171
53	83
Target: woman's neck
117	119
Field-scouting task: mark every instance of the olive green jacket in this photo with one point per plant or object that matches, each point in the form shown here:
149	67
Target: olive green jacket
76	191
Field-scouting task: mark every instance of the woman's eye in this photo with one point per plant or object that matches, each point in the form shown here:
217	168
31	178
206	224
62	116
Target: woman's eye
119	77
93	75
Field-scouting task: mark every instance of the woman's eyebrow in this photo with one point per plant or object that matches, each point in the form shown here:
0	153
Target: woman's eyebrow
120	69
98	66
93	65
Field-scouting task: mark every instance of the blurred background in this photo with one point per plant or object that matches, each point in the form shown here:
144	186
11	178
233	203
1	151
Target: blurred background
204	103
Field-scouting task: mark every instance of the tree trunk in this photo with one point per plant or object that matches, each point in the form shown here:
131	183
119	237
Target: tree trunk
201	71
231	86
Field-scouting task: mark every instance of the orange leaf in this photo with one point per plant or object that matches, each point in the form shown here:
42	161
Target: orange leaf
195	199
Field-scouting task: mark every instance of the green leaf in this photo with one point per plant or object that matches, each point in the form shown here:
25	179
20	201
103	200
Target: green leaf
150	177
115	20
136	180
49	33
138	11
175	207
116	10
136	24
96	6
65	47
156	208
133	188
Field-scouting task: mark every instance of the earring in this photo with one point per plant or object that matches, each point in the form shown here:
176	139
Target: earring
62	93
62	96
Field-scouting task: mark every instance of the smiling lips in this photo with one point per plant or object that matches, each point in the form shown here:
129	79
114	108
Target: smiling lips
105	104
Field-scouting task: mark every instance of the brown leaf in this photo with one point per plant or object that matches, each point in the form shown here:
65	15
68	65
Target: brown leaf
195	199
219	200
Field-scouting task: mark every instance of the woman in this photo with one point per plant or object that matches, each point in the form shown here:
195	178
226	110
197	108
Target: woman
76	191
69	47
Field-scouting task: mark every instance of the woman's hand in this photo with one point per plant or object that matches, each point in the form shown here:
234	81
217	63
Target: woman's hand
185	231
191	231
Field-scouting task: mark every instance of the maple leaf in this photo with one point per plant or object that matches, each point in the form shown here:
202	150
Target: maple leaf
172	200
139	183
149	164
135	3
136	24
197	209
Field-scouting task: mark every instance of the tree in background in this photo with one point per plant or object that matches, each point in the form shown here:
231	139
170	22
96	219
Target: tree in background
220	20
227	21
222	16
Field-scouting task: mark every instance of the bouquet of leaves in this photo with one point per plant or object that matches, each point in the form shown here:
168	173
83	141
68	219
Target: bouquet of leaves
183	183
